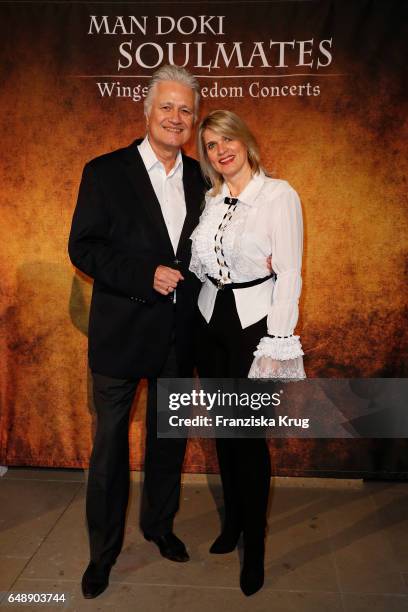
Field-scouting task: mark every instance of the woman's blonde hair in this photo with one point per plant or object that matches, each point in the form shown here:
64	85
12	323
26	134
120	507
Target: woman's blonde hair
226	123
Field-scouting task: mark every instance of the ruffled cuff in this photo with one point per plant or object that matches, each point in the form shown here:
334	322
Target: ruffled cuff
267	367
279	348
278	358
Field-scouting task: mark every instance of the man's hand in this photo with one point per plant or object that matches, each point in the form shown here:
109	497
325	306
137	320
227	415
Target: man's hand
166	279
269	263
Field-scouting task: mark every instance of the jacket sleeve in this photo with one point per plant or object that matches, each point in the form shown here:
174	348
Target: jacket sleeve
91	250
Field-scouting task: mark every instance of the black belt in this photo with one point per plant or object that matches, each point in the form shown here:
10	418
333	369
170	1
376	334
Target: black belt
220	285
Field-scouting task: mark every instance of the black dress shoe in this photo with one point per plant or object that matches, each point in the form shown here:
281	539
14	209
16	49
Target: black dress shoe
95	580
226	541
170	547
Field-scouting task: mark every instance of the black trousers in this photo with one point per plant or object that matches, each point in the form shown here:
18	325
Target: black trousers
108	481
226	351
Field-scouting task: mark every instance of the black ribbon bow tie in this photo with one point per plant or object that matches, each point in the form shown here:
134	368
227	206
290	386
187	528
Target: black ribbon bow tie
230	201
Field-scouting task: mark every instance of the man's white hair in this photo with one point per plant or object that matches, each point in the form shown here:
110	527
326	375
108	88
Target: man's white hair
172	73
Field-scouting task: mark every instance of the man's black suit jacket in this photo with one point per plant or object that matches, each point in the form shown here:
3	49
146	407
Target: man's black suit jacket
119	237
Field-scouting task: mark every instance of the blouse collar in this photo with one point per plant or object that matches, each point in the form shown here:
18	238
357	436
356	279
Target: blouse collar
248	195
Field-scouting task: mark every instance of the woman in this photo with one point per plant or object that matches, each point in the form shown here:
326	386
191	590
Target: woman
248	318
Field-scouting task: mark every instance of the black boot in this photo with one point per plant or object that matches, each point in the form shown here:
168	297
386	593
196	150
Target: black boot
227	540
254	494
252	575
229	536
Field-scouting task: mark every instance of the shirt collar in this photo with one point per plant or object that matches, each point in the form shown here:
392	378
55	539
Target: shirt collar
249	194
150	159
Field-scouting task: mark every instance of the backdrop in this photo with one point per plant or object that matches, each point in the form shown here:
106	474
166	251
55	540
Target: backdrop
321	85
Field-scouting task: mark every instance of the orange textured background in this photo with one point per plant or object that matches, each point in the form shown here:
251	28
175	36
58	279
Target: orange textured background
343	151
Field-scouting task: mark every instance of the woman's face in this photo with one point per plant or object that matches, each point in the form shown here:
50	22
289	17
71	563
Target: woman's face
227	156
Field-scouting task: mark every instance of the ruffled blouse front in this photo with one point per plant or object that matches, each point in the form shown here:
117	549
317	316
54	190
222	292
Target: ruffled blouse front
232	243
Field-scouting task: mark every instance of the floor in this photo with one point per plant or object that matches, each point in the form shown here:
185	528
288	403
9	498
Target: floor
338	545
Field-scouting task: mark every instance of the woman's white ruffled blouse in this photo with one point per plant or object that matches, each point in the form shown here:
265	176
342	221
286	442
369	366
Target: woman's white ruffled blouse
266	221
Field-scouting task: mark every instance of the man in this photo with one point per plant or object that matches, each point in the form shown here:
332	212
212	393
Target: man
136	209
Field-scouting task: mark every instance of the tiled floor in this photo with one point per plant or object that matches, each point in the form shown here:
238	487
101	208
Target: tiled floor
332	545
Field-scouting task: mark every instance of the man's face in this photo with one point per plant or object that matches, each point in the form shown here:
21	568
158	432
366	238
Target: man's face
170	120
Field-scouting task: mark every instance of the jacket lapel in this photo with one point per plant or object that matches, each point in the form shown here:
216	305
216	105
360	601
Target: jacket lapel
139	178
193	192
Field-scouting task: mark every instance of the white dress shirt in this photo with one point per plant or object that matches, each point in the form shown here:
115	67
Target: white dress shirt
168	189
267	220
